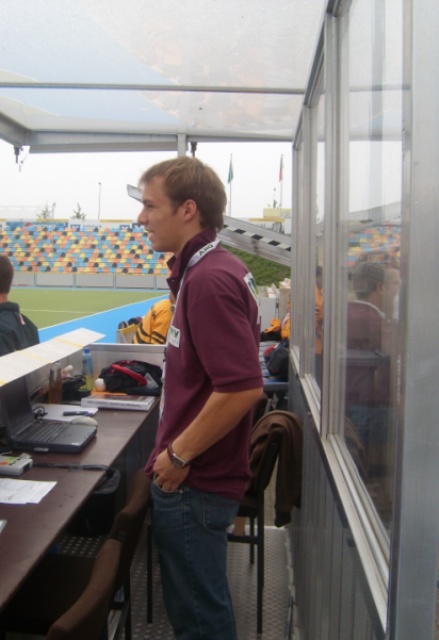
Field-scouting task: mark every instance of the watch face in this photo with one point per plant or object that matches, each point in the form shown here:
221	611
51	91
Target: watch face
177	461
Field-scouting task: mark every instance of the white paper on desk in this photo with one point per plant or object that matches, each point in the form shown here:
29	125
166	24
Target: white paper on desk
55	411
14	491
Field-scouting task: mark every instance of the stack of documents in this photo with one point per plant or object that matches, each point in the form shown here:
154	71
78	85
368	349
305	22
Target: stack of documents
118	401
23	491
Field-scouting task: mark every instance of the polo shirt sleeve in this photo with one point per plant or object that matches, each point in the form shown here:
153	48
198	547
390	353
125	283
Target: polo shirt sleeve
223	324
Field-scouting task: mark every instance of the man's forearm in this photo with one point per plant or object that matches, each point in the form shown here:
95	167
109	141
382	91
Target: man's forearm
219	416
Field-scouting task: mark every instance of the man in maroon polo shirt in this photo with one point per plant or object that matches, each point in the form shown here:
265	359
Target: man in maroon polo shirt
212	380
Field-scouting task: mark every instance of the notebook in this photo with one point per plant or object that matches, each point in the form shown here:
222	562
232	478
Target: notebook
25	432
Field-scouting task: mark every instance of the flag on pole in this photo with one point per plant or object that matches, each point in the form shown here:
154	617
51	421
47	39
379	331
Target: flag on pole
281	168
230	176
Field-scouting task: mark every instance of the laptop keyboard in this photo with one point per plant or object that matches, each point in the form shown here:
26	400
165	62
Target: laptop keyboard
45	431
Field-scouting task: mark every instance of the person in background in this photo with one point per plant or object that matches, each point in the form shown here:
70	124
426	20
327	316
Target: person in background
212	381
285	325
278	330
16	330
155	324
371	340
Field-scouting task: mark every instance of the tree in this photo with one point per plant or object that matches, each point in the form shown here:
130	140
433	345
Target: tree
78	213
275	204
47	213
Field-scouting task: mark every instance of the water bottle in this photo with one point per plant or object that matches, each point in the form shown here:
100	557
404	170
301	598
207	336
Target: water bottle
87	370
55	383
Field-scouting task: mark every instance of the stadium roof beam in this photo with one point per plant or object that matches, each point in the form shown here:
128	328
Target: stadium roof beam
256	240
67	142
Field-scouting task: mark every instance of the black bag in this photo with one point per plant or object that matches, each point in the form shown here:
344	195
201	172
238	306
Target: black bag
71	388
134	377
277	361
96	516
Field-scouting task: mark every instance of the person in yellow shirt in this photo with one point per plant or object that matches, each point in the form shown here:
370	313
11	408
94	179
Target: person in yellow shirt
278	330
155	324
285	324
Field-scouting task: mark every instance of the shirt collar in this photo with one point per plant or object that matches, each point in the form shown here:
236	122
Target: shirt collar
9	306
178	264
369	304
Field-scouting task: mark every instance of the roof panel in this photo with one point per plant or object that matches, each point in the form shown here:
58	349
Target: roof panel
226	69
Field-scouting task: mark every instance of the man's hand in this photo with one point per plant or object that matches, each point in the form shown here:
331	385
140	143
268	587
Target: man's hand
168	476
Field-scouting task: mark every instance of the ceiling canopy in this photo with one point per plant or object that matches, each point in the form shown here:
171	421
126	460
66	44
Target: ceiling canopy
142	75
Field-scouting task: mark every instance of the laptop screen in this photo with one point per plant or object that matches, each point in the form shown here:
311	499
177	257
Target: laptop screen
16	406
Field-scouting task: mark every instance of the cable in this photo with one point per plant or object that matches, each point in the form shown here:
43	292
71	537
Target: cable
39	412
109	471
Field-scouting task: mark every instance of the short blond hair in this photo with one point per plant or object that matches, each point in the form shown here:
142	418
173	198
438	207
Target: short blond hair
187	178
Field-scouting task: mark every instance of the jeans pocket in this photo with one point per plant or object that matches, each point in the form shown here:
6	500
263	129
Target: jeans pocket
154	484
167	511
219	513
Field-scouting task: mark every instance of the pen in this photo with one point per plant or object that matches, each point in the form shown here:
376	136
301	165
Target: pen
76	413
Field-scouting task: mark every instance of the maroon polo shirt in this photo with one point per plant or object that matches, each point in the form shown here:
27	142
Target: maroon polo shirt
213	346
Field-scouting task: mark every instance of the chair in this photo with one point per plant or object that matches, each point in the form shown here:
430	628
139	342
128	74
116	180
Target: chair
87	617
59	580
127	528
276	437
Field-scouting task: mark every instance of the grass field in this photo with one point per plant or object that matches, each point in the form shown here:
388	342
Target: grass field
48	307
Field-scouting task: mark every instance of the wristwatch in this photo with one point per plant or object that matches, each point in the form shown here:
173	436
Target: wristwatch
175	459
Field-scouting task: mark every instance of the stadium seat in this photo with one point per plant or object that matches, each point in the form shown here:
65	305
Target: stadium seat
67	249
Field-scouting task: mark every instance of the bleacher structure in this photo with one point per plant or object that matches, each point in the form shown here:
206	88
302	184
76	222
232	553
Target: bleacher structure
81	249
66	253
70	254
378	240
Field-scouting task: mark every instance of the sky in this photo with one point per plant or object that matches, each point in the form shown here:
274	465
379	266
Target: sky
97	182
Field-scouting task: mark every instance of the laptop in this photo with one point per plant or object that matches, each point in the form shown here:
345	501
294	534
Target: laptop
25	432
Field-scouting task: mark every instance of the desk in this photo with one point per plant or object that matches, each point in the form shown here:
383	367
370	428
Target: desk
32	528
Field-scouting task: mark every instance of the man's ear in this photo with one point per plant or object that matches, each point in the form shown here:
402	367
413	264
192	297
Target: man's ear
190	210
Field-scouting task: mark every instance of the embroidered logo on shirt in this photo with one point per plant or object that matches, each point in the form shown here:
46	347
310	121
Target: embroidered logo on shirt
174	336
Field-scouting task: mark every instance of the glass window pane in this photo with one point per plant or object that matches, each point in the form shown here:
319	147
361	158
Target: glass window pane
298	266
372	243
319	244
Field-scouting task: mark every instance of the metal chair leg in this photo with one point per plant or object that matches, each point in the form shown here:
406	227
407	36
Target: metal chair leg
149	574
260	568
252	544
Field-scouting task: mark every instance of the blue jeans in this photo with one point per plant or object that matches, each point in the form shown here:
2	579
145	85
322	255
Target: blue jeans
190	531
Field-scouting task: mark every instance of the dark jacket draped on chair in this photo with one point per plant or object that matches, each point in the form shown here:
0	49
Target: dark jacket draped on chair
289	466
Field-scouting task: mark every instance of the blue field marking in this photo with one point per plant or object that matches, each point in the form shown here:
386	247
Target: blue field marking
104	322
